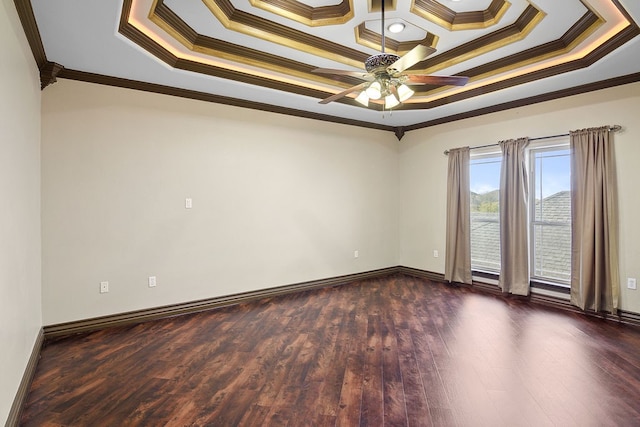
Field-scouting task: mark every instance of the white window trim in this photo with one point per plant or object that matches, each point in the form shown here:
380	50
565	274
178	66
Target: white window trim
558	143
486	153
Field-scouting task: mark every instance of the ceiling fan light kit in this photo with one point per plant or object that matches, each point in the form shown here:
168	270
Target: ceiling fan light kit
363	98
384	78
404	92
374	91
394	92
390	101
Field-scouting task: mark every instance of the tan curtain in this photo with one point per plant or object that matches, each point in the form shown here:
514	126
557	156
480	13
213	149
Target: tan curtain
458	257
514	228
595	282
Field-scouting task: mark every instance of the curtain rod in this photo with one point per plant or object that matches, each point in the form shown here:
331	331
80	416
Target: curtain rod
614	128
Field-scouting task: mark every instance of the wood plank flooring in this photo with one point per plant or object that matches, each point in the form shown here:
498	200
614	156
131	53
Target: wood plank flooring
397	351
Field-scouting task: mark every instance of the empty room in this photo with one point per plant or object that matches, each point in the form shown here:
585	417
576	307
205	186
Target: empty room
319	212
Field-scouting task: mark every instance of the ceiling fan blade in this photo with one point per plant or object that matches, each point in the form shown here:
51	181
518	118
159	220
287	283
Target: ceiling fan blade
437	80
359	74
344	93
411	58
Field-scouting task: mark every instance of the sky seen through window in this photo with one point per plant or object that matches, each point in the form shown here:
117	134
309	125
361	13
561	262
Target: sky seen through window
555	176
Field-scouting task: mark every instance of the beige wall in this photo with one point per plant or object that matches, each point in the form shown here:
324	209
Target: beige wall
276	200
423	170
20	307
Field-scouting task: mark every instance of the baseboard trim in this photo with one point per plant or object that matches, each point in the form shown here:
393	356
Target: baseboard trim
81	326
424	274
628	317
87	325
23	390
563	304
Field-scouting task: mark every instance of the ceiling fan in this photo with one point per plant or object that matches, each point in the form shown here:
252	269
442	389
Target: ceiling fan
384	78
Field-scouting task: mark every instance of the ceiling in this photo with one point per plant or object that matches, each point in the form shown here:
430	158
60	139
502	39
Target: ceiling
261	53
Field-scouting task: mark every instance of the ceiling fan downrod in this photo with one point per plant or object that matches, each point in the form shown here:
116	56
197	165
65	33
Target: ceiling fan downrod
379	62
382	29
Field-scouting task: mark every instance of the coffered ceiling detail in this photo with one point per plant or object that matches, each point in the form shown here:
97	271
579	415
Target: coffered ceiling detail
438	13
332	14
263	52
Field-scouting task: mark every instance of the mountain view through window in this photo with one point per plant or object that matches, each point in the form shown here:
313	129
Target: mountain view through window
484	174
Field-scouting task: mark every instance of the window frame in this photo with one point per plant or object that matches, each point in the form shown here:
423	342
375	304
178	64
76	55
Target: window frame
559	143
548	144
486	154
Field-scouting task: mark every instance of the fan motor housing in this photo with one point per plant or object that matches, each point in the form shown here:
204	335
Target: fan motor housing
380	62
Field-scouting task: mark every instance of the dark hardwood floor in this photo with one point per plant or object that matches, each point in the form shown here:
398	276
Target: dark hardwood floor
389	352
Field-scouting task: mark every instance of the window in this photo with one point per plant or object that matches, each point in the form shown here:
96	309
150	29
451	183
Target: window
550	214
484	175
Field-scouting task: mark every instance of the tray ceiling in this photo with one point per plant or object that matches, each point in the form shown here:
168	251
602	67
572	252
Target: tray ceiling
260	53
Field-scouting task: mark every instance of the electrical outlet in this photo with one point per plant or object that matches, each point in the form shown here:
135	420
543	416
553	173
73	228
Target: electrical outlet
152	281
356	254
436	254
104	287
631	283
188	203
